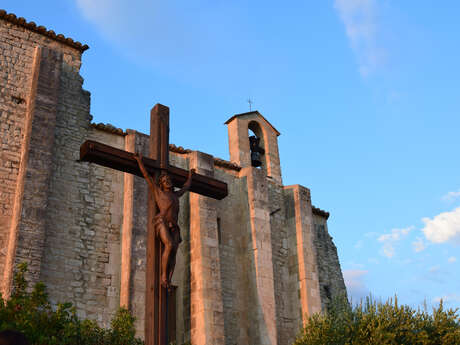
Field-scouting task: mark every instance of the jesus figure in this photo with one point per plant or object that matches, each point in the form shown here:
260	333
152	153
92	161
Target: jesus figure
165	222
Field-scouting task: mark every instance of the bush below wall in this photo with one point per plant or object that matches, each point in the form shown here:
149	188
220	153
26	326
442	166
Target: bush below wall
373	322
30	312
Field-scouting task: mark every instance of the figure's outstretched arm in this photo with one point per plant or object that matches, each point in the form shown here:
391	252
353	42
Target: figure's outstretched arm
147	176
187	183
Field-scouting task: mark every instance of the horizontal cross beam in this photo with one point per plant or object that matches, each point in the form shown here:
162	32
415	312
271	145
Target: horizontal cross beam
111	157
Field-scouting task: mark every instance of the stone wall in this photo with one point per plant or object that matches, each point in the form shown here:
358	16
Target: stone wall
36	75
286	326
304	284
234	237
83	232
330	275
61	216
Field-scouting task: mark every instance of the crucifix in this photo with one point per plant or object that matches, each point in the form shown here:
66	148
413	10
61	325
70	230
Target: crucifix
162	231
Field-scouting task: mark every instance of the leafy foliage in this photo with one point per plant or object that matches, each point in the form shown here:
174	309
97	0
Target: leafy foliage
32	314
373	322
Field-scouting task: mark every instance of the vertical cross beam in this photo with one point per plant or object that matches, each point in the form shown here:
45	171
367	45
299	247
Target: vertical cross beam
159	135
156	295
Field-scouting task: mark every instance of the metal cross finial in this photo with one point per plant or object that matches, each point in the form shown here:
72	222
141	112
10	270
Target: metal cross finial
250	103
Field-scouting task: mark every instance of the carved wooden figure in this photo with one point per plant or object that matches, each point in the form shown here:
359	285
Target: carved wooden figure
165	222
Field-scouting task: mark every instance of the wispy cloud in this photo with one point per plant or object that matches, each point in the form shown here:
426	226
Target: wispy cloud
361	26
97	10
182	38
451	196
452	259
390	240
419	244
371	234
354	281
445	227
134	24
434	269
436	274
104	14
449	298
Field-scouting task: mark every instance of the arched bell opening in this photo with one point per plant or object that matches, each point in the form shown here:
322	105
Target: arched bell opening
257	145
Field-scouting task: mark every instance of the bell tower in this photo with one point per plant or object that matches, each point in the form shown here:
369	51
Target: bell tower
253	144
258	149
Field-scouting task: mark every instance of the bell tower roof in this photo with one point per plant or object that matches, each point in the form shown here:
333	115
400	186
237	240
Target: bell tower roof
254	113
239	127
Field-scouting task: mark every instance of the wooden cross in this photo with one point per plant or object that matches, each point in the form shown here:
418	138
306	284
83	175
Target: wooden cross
156	329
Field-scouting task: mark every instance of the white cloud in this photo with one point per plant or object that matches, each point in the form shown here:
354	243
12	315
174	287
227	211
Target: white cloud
445	227
419	245
123	21
360	20
190	40
359	244
355	265
371	234
104	13
452	259
407	261
451	196
449	298
354	281
96	10
390	240
436	274
434	269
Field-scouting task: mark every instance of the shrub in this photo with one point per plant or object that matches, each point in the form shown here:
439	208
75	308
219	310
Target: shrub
373	322
31	313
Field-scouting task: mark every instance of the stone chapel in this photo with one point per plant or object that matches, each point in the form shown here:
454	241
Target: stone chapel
250	268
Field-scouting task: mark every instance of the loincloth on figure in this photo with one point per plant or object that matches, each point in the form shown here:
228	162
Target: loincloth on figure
173	229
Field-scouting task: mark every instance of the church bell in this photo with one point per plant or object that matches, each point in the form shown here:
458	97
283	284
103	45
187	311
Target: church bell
256	151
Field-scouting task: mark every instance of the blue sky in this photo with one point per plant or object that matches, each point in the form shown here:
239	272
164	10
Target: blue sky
365	94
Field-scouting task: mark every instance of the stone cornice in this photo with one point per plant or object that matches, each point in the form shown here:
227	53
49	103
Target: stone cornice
320	212
173	148
10	17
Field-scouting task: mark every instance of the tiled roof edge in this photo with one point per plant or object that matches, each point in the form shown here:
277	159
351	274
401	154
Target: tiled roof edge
12	18
108	128
226	164
178	149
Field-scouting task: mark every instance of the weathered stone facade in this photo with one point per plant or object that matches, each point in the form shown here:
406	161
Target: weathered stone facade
250	267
